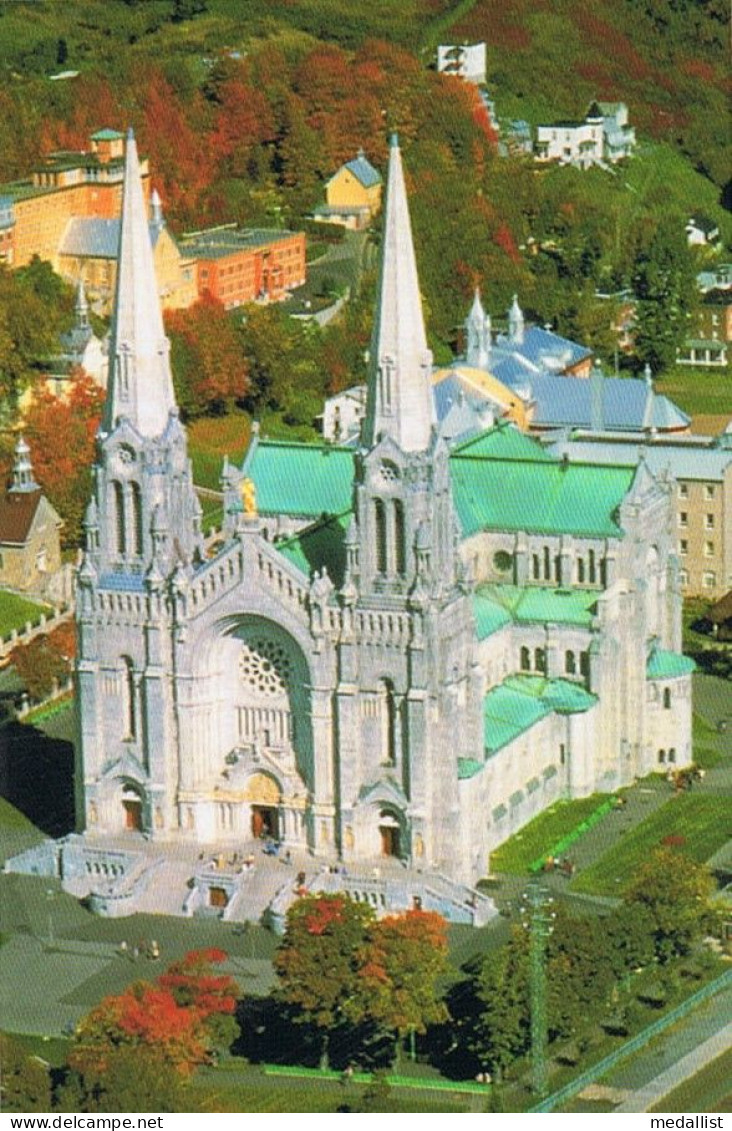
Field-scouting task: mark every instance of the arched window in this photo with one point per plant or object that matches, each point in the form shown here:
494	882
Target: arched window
119	518
129	714
570	663
399	537
667	698
661	757
136	519
581	571
380	516
672	754
525	660
536	567
585	665
540	659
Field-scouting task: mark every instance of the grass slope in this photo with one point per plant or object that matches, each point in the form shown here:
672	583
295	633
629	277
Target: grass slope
541	834
698	818
15	611
708	1090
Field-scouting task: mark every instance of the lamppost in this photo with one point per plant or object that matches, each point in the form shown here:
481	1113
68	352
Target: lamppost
539	921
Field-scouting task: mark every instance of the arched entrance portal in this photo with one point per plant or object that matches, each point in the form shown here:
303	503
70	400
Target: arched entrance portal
132	810
389	834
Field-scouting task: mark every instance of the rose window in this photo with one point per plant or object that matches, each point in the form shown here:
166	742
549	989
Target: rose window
265	667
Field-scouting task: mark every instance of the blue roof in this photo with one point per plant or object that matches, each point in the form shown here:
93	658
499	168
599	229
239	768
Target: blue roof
685	461
96	238
123	582
567	402
547	349
364	171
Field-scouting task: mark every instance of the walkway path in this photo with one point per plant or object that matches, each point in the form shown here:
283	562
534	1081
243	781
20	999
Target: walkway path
690	1064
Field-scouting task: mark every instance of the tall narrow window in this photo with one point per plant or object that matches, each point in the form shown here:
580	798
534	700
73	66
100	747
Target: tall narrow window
558	569
593	571
581	571
585	666
136	519
570	663
536	567
525	660
540	659
666	698
119	516
603	572
399	538
547	564
380	516
129	716
388	722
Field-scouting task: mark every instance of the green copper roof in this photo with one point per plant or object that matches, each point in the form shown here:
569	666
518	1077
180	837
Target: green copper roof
495	605
468	768
521	701
322	544
107	135
504	441
536	495
502	480
303	479
668	665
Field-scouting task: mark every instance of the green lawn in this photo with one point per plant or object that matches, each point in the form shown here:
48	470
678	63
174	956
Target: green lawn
15	611
699	818
708	1090
541	834
213	437
697	390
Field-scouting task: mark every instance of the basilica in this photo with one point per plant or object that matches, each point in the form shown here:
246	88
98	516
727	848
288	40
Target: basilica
405	647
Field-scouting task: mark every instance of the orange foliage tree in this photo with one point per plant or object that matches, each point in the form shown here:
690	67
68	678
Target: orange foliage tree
61	435
209	368
176	1018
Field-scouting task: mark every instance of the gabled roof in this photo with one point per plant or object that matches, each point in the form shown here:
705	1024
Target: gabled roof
504	442
363	171
18	510
567	402
107	135
536	496
300	479
722	611
95	238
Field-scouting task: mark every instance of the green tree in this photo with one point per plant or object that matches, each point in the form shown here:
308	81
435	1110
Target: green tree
674	891
501	1031
125	1081
26	1083
404	958
663	282
319	963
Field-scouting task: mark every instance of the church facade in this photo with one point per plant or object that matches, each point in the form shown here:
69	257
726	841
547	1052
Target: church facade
399	649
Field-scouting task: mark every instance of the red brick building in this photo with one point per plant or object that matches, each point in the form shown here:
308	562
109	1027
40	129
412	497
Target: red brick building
238	265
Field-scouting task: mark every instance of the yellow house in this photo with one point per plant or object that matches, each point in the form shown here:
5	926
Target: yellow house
30	547
353	194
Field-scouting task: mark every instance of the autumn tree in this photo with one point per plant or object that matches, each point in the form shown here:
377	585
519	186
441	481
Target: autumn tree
211	997
401	965
319	961
125	1081
61	434
674	892
208	363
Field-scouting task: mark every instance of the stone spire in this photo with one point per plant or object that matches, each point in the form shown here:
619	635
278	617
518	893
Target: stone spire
23	481
140	384
478	335
156	210
399	402
516	322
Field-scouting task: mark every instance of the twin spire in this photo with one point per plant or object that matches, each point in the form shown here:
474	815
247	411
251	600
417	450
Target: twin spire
399	402
140	387
140	383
